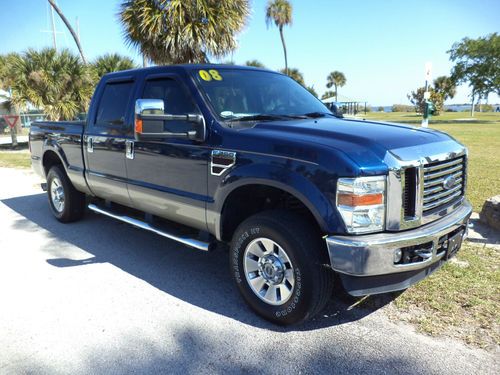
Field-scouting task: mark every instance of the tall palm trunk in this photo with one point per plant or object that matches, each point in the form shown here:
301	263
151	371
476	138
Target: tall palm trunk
472	105
336	98
70	28
284	48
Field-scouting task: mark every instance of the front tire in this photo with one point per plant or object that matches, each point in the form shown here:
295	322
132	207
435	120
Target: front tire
67	204
278	261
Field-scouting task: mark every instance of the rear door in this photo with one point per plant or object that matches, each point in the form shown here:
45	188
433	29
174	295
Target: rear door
105	141
168	178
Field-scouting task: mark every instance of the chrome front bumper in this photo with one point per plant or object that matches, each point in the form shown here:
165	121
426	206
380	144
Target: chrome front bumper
373	255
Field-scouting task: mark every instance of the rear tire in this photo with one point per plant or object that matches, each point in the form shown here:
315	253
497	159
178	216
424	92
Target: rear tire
280	265
66	203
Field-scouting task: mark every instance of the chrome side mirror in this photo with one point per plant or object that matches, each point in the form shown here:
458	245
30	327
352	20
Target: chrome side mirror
150	117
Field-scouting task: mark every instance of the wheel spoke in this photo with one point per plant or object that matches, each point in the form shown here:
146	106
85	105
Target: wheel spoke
251	264
258	283
271	294
267	245
257	249
284	292
276	249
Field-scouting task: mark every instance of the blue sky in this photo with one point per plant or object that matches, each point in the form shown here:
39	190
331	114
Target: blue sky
380	45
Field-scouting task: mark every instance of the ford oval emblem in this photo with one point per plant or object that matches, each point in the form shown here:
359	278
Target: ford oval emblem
449	182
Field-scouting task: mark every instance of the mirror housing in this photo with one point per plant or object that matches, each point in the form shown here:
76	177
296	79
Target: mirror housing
150	116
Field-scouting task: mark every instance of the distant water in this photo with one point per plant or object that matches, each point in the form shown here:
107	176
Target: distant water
453	107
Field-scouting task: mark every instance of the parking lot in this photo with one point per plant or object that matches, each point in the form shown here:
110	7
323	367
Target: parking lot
99	296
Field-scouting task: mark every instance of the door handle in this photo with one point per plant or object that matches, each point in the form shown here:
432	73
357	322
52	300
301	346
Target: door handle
90	144
129	149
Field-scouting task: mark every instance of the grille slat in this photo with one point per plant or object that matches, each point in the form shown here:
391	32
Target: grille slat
436	195
439	181
440	202
441	166
439	188
443	172
442	194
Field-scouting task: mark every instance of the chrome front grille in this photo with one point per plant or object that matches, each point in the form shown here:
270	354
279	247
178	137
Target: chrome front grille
444	184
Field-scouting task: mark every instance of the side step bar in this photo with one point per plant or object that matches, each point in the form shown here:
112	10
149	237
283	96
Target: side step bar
200	245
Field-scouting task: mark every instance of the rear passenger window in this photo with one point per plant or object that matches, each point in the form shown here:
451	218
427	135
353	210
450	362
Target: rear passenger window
114	103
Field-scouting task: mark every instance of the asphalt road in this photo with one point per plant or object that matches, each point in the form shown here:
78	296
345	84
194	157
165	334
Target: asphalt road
99	296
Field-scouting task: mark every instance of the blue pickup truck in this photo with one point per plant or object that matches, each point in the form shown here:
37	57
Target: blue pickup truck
210	154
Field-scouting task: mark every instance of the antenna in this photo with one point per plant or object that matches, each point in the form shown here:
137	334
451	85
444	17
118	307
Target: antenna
54	32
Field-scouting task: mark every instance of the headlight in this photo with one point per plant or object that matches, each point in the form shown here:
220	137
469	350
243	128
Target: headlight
361	202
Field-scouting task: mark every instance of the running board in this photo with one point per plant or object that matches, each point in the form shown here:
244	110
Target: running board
200	245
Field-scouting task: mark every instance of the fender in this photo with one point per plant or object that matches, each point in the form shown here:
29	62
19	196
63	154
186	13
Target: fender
290	176
52	145
74	172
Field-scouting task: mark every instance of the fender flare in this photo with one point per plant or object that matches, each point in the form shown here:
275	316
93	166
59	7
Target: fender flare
281	178
52	146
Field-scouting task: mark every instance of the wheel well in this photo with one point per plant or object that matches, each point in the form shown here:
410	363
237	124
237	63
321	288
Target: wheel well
50	158
248	200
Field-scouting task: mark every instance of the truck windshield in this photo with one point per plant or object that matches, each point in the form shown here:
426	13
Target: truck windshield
248	95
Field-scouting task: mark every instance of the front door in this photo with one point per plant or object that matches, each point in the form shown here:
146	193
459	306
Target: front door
105	142
168	177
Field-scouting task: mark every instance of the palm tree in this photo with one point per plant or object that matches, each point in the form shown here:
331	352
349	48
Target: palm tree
312	90
328	94
112	62
445	86
70	28
295	74
56	82
255	63
6	75
336	79
280	12
188	31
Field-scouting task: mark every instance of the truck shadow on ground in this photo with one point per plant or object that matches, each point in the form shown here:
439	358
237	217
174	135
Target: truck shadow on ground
199	278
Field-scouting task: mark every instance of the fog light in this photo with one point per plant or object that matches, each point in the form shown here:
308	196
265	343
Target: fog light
398	253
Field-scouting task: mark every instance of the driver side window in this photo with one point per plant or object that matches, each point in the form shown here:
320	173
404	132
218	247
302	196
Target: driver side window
176	100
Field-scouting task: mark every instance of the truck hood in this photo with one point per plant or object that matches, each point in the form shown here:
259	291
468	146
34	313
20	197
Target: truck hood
366	143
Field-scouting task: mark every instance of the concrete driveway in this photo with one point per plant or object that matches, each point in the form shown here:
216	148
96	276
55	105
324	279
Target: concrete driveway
99	296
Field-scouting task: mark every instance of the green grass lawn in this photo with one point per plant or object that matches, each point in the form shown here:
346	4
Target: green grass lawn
481	135
15	158
462	299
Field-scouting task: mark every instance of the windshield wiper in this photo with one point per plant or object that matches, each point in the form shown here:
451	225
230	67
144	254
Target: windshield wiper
267	117
319	114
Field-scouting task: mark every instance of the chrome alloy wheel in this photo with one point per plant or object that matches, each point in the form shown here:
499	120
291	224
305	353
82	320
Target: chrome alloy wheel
269	271
57	194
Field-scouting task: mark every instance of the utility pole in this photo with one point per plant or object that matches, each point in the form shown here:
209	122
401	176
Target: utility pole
70	28
54	37
427	95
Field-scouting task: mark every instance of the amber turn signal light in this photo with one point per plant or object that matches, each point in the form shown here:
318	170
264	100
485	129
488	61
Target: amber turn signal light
354	200
138	125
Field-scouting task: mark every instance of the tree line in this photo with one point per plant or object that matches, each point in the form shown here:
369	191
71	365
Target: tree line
171	32
56	82
477	62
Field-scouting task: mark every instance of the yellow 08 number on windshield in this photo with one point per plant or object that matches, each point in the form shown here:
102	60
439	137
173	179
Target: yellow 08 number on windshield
211	74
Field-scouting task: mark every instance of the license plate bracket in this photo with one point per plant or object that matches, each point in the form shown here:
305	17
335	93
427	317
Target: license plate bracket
454	244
